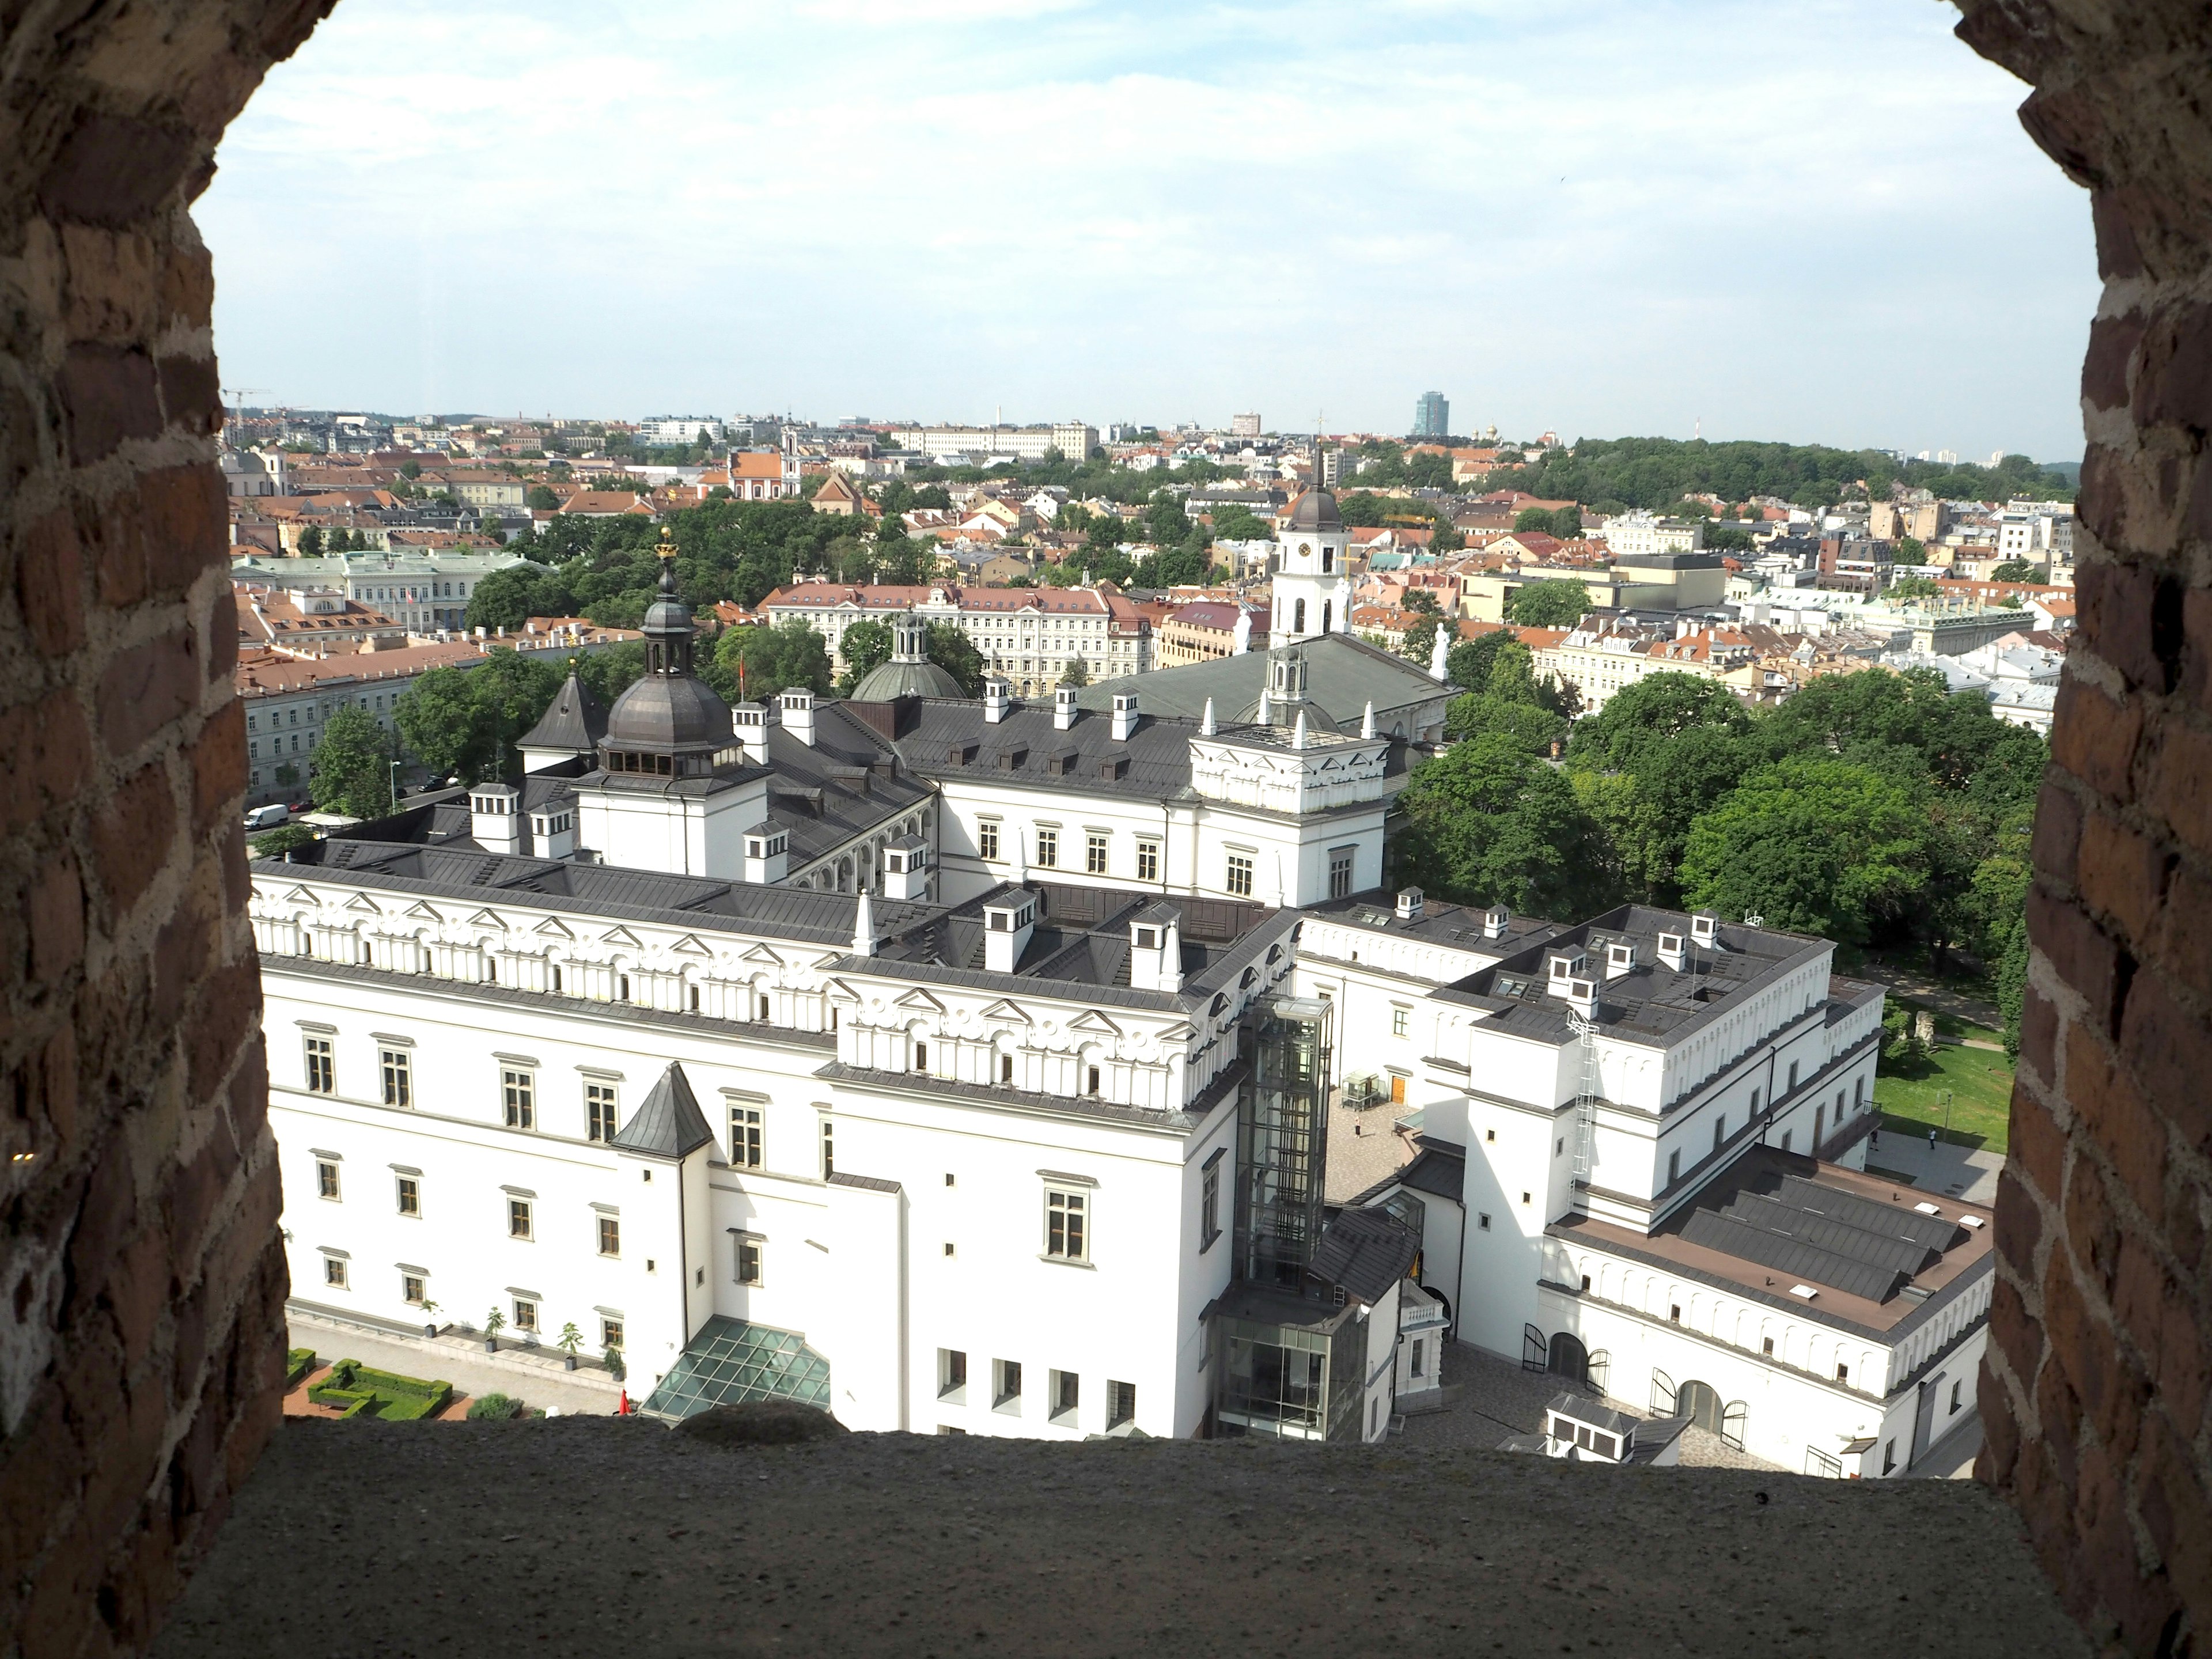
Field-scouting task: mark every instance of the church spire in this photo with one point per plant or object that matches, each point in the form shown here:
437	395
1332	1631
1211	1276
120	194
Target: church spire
667	626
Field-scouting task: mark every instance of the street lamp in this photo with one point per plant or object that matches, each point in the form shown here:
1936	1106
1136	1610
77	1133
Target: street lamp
395	786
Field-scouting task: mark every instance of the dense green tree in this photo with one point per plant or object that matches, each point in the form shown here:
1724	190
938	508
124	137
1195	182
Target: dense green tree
1075	673
1238	523
1911	550
350	771
956	653
607	674
1654	709
1659	472
1422	600
867	643
1478	713
1559	603
539	499
1913	587
2017	570
1488	822
1165	522
1812	845
1419	643
769	660
281	841
311	542
466	722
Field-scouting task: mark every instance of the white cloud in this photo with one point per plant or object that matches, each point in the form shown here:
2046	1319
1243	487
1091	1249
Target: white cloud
1814	221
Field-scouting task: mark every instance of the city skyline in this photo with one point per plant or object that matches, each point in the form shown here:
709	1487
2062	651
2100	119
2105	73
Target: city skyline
1582	224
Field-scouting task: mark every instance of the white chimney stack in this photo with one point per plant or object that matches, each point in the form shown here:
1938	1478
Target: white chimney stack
906	869
750	722
553	831
1619	960
1673	950
1063	708
767	854
1581	995
798	711
1156	950
1008	921
1409	903
1494	922
1705	928
496	818
997	694
1125	716
864	926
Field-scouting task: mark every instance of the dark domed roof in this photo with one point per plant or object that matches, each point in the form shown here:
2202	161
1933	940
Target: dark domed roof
664	713
895	678
1316	510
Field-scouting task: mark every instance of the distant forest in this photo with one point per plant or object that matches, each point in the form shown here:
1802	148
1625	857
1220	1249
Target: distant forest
1610	474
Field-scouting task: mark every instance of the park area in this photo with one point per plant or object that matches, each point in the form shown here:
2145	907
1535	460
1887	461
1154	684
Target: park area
349	1389
1962	1088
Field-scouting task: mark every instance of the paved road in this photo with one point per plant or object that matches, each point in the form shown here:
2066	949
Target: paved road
1948	1170
1925	991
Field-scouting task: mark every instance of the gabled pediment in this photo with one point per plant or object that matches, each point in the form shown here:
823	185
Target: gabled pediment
551	927
301	895
917	998
689	946
1180	1032
420	911
837	990
1091	1020
486	919
762	953
366	905
1002	1009
620	936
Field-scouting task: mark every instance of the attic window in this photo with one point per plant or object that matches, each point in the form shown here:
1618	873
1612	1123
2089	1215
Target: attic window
962	753
1113	767
1148	939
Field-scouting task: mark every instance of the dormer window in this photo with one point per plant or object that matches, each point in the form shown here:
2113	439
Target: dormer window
1148	939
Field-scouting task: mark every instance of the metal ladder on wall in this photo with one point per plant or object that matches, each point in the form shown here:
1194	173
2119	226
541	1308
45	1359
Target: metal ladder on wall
1586	1099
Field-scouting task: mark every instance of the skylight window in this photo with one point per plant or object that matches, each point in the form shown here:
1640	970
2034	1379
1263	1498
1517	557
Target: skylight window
1805	1290
1927	1209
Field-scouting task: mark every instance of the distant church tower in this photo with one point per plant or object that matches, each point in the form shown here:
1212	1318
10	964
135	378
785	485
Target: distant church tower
1312	597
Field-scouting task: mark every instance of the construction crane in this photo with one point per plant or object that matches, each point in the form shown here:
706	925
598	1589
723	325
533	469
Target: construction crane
238	395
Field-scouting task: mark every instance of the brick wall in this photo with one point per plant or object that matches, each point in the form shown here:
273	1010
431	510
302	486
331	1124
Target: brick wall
141	1343
2094	1390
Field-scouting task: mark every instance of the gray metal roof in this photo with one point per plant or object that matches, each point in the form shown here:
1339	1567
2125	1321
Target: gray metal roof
1343	675
575	720
1366	1251
670	1123
1822	1235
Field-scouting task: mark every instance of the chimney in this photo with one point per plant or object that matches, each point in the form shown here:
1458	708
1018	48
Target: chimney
767	854
1156	950
1619	959
997	695
864	926
1008	921
1125	716
553	831
1494	921
798	711
1705	929
1206	720
1581	995
1063	708
906	869
1673	950
1409	904
750	719
494	818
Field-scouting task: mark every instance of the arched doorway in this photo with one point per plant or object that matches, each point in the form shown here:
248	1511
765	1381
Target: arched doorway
1701	1403
1568	1358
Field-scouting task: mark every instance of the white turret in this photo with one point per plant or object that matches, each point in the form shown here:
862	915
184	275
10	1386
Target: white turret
1310	598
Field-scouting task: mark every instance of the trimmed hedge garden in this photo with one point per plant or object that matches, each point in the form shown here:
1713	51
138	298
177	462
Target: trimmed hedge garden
298	1362
358	1390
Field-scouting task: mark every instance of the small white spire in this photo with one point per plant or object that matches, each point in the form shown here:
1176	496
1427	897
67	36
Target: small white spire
1206	720
1298	733
1266	718
864	926
1367	720
1017	865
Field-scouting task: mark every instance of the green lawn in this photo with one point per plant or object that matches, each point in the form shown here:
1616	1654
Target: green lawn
1980	1084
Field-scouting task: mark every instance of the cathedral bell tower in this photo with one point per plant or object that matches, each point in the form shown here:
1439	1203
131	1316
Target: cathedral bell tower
1311	596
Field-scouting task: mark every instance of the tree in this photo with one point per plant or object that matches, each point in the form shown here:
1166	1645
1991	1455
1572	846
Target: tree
1567	523
466	722
282	840
350	771
1419	643
311	543
1076	673
2016	570
1812	845
411	469
1238	523
956	653
1536	518
1420	599
769	660
1914	587
542	500
867	643
1653	709
1911	550
1487	823
607	674
1479	713
1561	603
287	776
1165	521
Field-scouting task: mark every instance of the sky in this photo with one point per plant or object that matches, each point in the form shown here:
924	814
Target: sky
1812	222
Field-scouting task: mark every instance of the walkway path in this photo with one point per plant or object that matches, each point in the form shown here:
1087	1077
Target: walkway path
448	1358
1929	994
1947	1170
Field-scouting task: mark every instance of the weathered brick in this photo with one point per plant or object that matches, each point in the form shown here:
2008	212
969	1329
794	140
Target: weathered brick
111	397
48	584
131	840
2173	383
2039	1150
2092	1234
111	292
2122	875
218	767
2086	956
2112	344
2184	1377
2169	1052
2057	837
2103	1092
54	908
115	169
2196	604
2094	739
181	519
2038	1036
190	395
46	741
2181	943
2178	781
148	687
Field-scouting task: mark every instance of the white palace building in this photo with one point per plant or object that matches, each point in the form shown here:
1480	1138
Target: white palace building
964	1066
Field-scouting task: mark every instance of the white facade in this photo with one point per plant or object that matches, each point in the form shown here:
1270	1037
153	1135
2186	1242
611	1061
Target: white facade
1074	439
1309	594
1032	637
1641	533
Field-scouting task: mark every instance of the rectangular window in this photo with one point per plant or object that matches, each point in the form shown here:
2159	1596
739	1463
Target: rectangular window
745	1137
1766	1346
398	1076
410	1290
1047	848
921	1056
1240	875
1120	1404
1786	1133
518	1217
1064	1239
749	1260
1007	1386
1209	1206
1793	1074
1482	1223
1094	855
519	1094
987	841
1414	1363
952	1376
1401	1020
322	1077
326	1179
1888	1456
526	1314
1674	1313
1340	875
1842	1373
334	1272
411	1196
610	1235
1673	1167
610	1332
1148	861
1067	1392
828	1149
1720	1128
599	1111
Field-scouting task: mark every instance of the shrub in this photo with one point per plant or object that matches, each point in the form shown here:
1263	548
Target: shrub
298	1362
396	1399
492	1407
